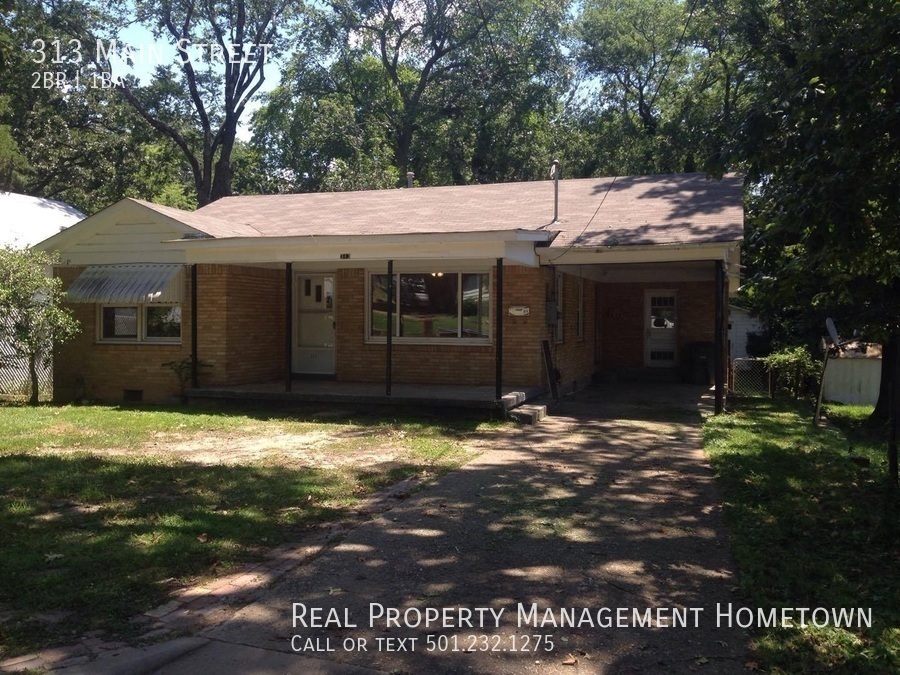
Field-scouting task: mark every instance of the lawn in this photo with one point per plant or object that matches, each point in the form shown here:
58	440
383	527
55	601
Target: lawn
107	510
811	528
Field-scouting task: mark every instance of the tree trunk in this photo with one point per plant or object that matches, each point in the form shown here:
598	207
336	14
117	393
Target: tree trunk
894	366
35	384
883	406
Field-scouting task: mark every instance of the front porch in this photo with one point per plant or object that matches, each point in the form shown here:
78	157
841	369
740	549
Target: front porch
369	393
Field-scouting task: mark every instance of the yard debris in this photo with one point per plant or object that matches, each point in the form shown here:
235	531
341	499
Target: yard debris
570	660
203	538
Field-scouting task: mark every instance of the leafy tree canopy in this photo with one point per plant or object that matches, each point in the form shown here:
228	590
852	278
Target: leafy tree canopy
32	316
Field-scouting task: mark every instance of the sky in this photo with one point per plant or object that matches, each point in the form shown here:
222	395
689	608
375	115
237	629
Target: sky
150	51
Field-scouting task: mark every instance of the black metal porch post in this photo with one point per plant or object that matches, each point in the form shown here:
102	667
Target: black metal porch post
288	323
195	378
390	328
718	359
498	391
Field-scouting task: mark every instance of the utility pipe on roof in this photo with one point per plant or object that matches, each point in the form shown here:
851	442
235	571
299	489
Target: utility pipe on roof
554	174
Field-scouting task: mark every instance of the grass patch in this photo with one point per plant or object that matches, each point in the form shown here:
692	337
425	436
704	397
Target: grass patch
95	536
810	528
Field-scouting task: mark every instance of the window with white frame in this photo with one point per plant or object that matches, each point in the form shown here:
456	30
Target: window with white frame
139	323
558	328
432	305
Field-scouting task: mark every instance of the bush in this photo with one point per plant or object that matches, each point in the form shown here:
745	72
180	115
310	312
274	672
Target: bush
759	344
796	372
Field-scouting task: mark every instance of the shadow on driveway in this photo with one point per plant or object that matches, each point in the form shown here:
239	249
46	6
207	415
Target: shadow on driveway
609	503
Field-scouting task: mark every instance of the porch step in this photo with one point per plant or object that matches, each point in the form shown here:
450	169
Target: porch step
529	413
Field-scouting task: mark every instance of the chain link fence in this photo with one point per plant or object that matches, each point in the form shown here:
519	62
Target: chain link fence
15	382
750	378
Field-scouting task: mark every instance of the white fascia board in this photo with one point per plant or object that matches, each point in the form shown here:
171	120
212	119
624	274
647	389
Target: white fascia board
121	257
521	252
514	245
368	239
600	255
344	253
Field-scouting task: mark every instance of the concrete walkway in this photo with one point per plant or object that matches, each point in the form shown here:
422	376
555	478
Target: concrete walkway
606	510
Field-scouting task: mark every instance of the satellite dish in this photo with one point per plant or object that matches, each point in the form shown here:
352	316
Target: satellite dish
832	332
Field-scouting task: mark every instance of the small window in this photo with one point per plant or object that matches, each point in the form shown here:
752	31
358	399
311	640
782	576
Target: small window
162	322
140	323
119	323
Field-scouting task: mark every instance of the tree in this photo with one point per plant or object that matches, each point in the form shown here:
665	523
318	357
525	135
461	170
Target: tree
666	79
823	146
78	143
32	316
456	91
224	48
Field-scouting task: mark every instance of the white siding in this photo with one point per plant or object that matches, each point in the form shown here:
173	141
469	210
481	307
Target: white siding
853	381
741	324
125	242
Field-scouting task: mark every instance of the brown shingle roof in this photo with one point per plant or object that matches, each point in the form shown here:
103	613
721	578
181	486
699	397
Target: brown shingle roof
678	208
202	221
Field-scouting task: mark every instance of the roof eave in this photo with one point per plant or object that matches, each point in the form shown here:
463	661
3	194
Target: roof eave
520	235
662	252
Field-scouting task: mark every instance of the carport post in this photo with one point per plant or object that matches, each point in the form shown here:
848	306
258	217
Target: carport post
718	358
498	392
194	360
390	328
288	323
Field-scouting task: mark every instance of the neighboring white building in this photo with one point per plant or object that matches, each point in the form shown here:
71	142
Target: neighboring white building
739	324
854	375
24	220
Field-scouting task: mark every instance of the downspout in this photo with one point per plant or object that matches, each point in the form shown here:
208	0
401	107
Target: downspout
498	381
194	360
288	324
718	358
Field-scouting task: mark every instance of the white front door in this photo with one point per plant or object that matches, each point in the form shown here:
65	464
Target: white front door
314	324
660	329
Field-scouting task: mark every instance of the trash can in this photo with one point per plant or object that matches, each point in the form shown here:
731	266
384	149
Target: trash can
701	363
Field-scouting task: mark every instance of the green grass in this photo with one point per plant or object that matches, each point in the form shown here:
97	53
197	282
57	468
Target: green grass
96	538
810	528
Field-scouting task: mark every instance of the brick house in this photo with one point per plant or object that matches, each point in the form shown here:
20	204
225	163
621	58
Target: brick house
457	285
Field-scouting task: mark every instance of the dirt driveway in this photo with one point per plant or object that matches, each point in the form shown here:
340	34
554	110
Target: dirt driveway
606	513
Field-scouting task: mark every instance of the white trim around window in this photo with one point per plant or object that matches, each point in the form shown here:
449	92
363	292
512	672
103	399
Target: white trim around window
472	312
152	323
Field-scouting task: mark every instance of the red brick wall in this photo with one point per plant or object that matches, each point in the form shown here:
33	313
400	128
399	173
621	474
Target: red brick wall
357	361
255	325
240	324
240	335
98	371
621	316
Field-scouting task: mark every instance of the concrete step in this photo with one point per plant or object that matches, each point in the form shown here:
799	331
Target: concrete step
528	413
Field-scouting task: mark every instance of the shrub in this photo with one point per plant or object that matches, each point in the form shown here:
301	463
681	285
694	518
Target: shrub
796	372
